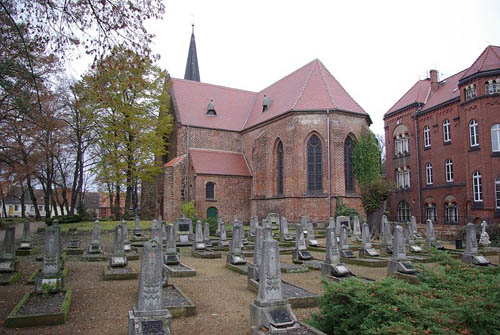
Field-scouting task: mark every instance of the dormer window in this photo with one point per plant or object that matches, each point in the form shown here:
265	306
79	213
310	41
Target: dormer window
492	86
266	103
470	92
211	108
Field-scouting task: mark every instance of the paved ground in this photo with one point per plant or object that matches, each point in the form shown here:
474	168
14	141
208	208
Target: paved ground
100	307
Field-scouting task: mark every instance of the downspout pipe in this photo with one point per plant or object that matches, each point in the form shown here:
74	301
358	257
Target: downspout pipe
186	185
328	164
417	137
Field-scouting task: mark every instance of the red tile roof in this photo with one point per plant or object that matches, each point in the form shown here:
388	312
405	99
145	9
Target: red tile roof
488	60
312	87
217	162
174	161
448	89
418	93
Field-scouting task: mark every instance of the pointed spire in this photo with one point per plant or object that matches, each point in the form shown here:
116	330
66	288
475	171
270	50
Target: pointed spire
192	70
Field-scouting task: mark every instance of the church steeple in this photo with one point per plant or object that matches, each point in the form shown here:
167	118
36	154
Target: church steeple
192	70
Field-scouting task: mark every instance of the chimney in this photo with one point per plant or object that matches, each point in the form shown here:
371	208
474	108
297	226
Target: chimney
434	80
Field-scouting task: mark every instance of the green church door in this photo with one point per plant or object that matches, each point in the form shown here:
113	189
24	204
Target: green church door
212	213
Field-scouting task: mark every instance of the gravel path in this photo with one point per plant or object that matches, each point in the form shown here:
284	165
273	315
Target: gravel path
100	307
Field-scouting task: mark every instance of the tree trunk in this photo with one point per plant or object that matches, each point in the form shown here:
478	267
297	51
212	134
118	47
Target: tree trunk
117	203
374	219
33	198
23	208
4	209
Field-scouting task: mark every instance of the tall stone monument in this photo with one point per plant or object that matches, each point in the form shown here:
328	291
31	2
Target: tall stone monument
253	226
341	221
471	254
332	266
413	222
366	244
235	256
149	316
303	223
8	262
26	239
171	256
430	237
95	246
118	258
137	227
199	244
387	236
345	250
411	239
399	262
50	279
331	222
253	269
311	239
223	242
126	241
485	237
300	253
270	310
284	234
206	235
356	229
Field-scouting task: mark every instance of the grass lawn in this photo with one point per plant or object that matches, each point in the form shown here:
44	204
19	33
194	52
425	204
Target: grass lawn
105	225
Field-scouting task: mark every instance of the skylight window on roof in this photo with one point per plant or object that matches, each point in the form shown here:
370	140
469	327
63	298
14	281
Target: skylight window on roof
266	103
455	89
211	108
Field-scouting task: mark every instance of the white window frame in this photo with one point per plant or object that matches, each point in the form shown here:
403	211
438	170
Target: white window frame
428	173
497	192
495	87
473	133
448	166
431	212
404	214
446	131
427	136
477	187
495	138
406	174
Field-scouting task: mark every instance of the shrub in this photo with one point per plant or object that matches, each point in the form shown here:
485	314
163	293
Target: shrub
188	210
342	210
452	298
64	219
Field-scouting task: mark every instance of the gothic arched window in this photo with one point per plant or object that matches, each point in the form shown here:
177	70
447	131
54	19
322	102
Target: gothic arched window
280	168
314	165
348	169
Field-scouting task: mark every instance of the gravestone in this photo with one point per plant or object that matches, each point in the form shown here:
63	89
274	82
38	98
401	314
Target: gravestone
126	242
206	235
118	258
149	316
345	250
332	266
50	279
331	222
430	237
366	244
184	230
284	234
217	230
471	254
303	223
311	239
252	227
171	257
56	226
223	242
410	237
300	253
137	227
413	221
387	236
8	252
341	221
198	244
274	219
485	237
398	261
26	239
383	225
164	232
356	229
74	242
95	246
235	256
270	310
156	230
253	269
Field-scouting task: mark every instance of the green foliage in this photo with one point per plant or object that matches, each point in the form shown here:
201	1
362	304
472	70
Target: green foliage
342	210
64	219
374	192
366	159
212	224
452	298
189	211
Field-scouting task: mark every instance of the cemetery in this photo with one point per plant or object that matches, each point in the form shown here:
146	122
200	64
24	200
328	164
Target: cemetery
248	289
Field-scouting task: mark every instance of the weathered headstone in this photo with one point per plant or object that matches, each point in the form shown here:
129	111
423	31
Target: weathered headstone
274	219
126	242
284	234
331	222
206	235
383	225
50	279
118	258
26	239
74	242
270	310
410	237
341	221
387	236
471	254
413	222
235	256
198	243
345	250
137	227
8	251
300	253
430	237
398	261
332	266
223	242
253	269
311	239
485	237
366	244
95	246
217	230
149	316
171	256
184	230
356	229
164	232
252	227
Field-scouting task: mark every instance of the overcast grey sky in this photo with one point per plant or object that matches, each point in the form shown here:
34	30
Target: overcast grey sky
376	49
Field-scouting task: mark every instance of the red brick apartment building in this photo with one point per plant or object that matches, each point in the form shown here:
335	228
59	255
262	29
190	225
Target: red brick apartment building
443	146
285	149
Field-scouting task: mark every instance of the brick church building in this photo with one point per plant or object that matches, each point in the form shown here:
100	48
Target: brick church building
443	146
286	149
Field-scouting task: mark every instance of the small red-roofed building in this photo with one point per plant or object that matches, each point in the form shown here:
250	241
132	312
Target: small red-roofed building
443	147
286	149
